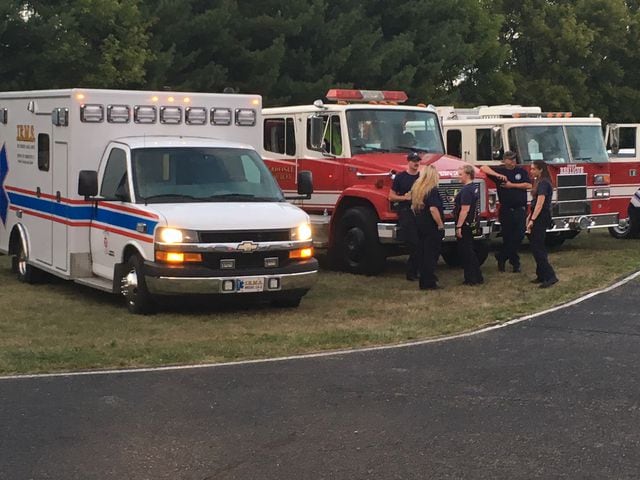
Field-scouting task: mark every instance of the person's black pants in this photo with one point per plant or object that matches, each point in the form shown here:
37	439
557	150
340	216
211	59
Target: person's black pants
431	241
409	234
467	254
544	270
512	227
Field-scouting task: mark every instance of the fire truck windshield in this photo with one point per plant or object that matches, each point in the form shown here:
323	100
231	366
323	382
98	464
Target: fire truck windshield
397	130
171	175
549	143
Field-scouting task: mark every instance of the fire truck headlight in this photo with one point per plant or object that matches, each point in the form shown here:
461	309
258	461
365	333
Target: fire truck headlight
601	179
601	193
302	232
175	235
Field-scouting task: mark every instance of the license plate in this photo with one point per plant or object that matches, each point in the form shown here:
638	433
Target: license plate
244	285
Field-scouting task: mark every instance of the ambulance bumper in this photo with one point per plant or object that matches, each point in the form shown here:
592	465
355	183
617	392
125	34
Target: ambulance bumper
161	280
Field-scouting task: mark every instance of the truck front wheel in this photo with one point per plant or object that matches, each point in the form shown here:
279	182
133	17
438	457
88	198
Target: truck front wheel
356	248
25	272
134	288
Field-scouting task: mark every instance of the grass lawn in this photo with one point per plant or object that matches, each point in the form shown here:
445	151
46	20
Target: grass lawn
61	326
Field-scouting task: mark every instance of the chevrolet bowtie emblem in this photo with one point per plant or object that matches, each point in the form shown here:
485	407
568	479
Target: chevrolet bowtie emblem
247	247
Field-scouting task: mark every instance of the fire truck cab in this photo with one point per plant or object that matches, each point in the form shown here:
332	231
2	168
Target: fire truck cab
623	141
148	193
572	147
354	147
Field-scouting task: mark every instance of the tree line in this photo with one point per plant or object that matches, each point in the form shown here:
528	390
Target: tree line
572	55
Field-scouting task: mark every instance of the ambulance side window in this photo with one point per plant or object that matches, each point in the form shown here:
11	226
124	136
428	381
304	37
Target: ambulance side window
114	181
44	155
279	136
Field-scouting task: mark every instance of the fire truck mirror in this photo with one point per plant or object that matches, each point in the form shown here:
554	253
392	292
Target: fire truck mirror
305	183
317	132
88	183
614	139
497	149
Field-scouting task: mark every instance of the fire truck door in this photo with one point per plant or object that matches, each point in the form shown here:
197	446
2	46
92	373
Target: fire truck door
60	192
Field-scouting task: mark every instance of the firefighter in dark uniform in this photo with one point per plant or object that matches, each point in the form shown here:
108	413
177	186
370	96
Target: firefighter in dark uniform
538	222
465	218
512	182
400	194
427	205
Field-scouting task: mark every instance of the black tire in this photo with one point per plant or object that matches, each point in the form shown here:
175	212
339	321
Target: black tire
291	301
357	248
449	252
556	239
134	288
25	272
621	233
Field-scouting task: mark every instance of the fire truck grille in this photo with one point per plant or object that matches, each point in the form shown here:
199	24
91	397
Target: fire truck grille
245	235
448	192
572	195
245	261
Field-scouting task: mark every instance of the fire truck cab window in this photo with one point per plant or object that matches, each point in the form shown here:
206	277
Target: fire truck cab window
384	130
114	181
628	147
279	136
44	155
332	142
454	143
539	143
483	144
587	144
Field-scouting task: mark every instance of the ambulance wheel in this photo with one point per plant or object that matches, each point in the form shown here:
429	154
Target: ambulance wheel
26	273
134	288
357	249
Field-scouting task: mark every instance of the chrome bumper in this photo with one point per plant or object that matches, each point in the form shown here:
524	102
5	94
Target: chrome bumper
388	232
574	223
213	285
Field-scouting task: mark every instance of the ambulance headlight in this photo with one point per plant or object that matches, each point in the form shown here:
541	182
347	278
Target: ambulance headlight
175	235
302	232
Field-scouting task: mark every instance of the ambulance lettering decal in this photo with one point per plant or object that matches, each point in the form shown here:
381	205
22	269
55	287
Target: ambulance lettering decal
4	198
26	133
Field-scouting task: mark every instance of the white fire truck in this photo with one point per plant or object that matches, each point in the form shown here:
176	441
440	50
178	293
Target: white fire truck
354	148
623	141
148	193
572	147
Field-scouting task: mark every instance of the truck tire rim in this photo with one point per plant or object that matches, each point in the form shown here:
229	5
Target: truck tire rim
621	230
22	263
129	286
354	243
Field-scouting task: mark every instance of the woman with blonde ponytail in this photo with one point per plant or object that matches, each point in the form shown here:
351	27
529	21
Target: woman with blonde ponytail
427	206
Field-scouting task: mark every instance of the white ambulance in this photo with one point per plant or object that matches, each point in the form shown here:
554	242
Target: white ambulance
148	193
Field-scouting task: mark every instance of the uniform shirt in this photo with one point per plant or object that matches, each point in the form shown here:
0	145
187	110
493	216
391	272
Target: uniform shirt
433	199
512	197
402	184
468	195
545	188
635	200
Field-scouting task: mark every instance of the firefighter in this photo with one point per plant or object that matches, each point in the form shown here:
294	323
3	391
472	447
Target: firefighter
464	212
538	222
512	182
400	194
427	206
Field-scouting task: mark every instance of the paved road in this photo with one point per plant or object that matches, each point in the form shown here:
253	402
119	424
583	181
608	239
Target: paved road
554	397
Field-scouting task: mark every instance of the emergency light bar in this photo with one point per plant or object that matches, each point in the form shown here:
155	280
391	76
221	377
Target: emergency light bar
118	113
171	115
195	115
339	94
144	114
543	115
221	116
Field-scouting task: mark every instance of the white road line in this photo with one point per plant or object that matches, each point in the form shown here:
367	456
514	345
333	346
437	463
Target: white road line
331	353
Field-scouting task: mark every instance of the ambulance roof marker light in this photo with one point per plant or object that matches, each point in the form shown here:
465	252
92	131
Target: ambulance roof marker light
80	96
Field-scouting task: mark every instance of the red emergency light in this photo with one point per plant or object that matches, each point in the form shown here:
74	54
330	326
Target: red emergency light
346	95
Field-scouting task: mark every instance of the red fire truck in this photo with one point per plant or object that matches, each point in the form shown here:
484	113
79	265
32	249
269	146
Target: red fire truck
572	147
354	147
622	140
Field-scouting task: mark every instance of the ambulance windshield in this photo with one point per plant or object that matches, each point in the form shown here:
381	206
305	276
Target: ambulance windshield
386	130
548	143
172	175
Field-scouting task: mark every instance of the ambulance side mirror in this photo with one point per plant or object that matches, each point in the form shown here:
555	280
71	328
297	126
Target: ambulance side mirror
316	135
88	183
496	143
